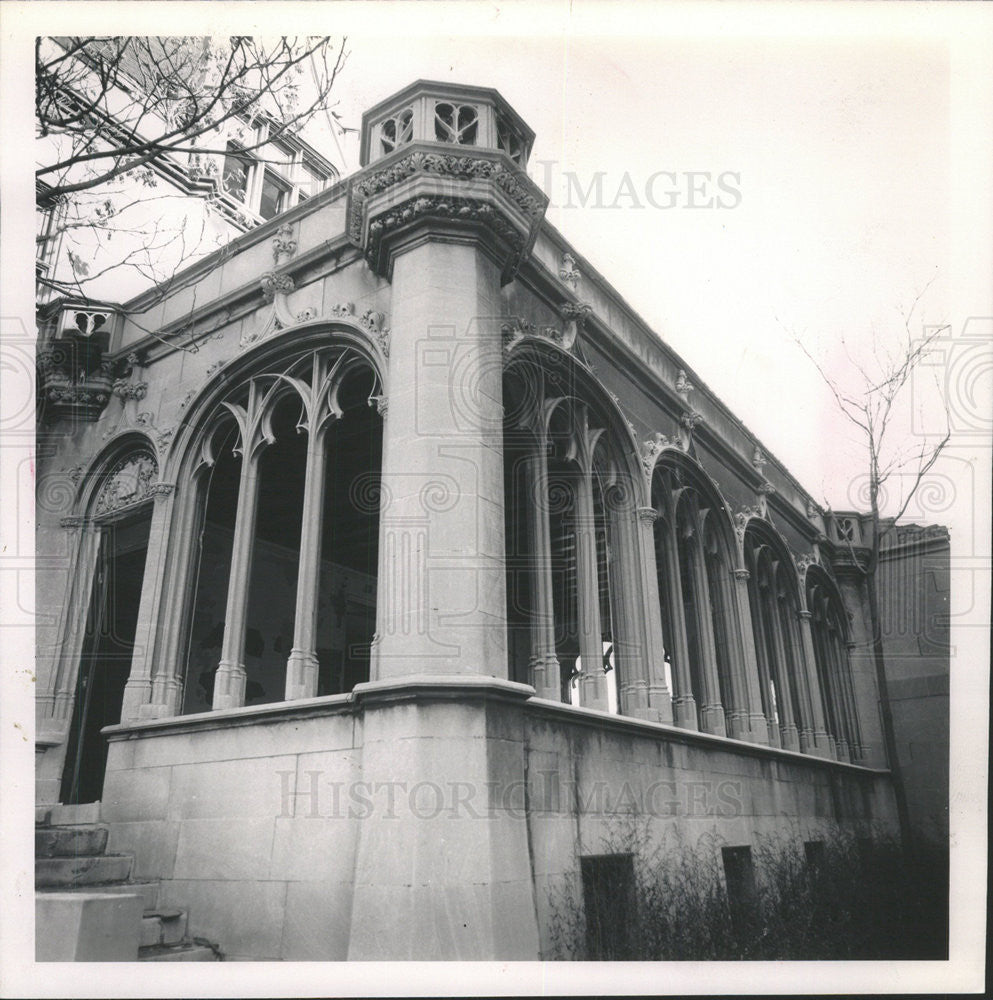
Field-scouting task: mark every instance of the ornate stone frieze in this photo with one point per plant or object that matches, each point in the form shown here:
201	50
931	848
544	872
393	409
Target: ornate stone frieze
514	329
128	482
424	184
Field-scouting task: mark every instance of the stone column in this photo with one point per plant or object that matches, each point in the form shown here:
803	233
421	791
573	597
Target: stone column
629	628
229	680
650	613
592	682
758	724
175	609
683	702
711	711
545	672
784	693
302	665
138	690
443	468
820	745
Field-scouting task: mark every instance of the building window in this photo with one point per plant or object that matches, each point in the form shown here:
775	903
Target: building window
813	851
274	197
609	900
312	181
510	141
739	877
236	172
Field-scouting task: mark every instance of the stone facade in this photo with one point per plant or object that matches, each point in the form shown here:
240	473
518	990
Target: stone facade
514	556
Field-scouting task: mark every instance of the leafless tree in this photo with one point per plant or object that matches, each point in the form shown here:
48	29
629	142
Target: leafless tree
118	114
874	407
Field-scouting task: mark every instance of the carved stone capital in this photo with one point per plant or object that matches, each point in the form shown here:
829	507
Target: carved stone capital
804	616
648	514
162	490
477	195
72	521
741	574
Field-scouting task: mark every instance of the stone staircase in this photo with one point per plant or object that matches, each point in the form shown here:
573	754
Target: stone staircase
89	909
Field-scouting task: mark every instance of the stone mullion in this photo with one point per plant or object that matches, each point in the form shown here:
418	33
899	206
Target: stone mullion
649	613
592	682
791	736
138	689
765	668
683	702
628	636
846	696
545	671
230	678
844	651
798	676
820	743
712	711
823	657
758	723
302	665
737	714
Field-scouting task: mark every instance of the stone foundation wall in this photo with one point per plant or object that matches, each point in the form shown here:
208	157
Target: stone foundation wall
280	827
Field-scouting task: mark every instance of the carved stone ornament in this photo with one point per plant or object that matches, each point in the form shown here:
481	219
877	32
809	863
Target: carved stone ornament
464	192
758	460
568	272
129	481
803	562
742	518
284	243
515	328
343	310
273	284
124	389
651	449
649	514
683	385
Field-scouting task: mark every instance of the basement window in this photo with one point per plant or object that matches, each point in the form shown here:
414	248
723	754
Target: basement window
739	876
609	899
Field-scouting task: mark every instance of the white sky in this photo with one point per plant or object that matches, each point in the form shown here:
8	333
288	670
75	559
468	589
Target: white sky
862	134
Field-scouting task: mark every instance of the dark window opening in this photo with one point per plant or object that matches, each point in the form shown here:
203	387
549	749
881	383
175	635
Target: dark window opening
274	196
105	664
609	900
813	851
739	876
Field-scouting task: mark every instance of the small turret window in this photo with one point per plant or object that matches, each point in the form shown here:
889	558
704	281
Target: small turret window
396	131
458	123
510	142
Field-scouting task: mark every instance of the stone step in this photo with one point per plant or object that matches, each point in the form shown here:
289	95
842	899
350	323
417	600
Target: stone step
70	841
62	815
149	892
186	952
87	926
94	870
165	927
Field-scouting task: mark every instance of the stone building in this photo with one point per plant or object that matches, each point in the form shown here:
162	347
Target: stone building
392	561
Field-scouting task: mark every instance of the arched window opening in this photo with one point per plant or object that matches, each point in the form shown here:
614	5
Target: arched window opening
212	561
121	511
346	620
284	584
108	647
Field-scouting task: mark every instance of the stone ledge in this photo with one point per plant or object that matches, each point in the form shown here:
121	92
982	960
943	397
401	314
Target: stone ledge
228	718
453	687
642	727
